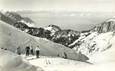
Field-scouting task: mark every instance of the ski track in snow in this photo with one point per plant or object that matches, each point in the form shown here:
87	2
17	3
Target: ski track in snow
55	63
60	64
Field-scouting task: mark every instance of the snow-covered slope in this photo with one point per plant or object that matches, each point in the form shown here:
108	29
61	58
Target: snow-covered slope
106	56
13	62
11	38
57	64
60	64
101	61
95	43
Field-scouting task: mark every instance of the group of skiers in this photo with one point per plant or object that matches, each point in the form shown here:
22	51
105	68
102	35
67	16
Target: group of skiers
29	50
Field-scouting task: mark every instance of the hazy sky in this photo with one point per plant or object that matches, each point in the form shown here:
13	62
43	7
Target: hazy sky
59	5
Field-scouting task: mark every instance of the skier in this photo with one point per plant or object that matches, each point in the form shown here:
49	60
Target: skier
27	50
18	51
32	51
37	50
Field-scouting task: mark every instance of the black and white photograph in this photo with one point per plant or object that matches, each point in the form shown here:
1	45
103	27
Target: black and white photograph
57	35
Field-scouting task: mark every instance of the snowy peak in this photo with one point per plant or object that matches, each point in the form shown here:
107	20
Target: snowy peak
97	40
107	26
